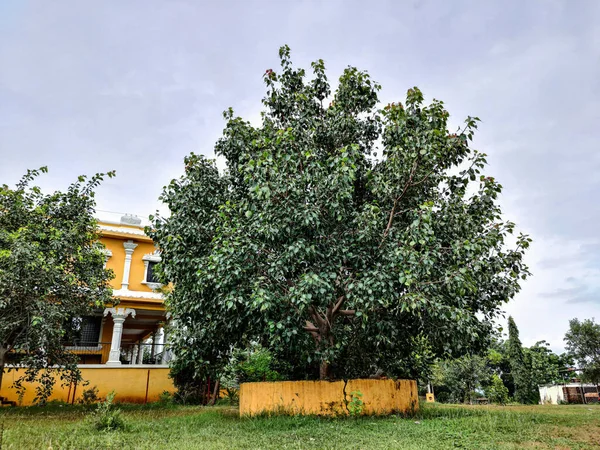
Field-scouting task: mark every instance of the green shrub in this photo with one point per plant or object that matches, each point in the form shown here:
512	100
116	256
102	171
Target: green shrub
89	396
232	395
254	363
106	417
166	398
355	405
192	387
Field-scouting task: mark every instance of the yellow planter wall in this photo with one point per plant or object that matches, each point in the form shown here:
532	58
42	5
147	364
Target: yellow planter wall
129	384
328	398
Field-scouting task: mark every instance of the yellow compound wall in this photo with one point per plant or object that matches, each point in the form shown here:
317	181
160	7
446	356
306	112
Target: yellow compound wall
328	398
131	384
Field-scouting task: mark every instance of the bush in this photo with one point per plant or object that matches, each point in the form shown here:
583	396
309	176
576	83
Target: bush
166	398
191	386
232	395
106	417
254	363
89	396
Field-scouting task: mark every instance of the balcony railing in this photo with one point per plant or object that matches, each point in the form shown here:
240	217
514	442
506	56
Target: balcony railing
150	353
130	353
90	353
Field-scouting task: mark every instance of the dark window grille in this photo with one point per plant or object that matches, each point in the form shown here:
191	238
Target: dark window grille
151	277
90	330
83	331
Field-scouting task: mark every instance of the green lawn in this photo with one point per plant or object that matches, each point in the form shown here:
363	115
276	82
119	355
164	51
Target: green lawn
184	427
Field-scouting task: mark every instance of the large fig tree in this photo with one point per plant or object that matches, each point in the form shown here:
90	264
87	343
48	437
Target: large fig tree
349	239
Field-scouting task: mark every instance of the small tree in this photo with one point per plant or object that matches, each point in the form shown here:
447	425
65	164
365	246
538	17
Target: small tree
340	235
496	391
51	271
500	364
462	377
583	344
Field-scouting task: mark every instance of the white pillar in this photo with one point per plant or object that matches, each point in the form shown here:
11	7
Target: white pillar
107	255
140	358
165	349
153	348
118	315
129	248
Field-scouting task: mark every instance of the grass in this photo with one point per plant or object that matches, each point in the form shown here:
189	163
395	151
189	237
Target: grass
191	427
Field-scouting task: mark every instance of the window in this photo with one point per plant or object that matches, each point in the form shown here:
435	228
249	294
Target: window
83	331
150	262
150	278
90	330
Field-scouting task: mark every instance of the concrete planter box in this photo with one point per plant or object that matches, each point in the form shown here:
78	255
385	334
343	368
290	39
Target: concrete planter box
329	398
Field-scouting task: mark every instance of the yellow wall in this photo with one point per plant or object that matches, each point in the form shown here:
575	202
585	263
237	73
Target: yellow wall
136	276
328	398
107	329
129	384
117	262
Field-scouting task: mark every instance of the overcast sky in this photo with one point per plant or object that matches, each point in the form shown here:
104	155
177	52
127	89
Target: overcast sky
135	86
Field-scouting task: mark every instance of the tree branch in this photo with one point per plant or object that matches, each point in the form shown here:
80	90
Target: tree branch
406	186
316	316
314	331
337	305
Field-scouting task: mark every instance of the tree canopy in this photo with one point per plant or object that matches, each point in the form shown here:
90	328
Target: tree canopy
583	344
546	366
51	271
347	238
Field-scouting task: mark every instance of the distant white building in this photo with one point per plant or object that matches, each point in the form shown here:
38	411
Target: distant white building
568	393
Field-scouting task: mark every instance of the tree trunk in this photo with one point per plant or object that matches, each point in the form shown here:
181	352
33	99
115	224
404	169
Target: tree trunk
2	362
320	328
215	393
207	392
324	370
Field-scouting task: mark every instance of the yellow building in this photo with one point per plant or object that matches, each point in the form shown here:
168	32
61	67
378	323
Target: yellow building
122	348
132	330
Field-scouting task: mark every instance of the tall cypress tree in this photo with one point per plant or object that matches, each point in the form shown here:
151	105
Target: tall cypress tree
524	393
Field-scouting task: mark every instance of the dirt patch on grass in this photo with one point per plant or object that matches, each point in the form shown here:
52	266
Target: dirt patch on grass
587	434
533	445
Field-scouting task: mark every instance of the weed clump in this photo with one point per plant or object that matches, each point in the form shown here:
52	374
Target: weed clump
106	417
